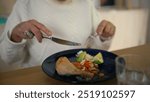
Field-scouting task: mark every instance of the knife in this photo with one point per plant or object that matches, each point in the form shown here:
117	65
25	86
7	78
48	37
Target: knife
57	40
62	41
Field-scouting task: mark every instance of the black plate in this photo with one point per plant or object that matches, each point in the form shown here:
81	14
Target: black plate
108	67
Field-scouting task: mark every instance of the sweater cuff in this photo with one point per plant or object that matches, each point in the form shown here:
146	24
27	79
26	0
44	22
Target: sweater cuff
14	44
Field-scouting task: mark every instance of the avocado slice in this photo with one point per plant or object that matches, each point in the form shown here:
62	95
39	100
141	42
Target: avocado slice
81	56
98	59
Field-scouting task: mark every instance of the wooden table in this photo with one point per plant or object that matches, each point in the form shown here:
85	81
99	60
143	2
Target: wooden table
35	75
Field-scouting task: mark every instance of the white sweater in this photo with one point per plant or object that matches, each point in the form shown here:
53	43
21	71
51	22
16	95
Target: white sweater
75	21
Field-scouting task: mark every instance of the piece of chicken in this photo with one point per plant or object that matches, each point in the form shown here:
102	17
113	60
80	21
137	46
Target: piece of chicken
65	67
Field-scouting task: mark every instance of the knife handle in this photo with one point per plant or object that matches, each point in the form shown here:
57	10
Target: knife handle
31	35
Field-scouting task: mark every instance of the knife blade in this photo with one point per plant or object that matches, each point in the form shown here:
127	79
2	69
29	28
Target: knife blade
62	41
57	40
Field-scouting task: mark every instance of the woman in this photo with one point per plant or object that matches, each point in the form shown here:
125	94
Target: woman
74	20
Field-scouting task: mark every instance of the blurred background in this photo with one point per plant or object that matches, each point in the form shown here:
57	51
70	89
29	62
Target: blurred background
132	20
131	17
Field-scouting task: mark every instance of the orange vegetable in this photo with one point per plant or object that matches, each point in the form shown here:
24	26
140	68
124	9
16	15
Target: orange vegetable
87	64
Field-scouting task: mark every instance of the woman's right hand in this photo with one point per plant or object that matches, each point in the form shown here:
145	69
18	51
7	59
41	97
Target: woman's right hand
18	33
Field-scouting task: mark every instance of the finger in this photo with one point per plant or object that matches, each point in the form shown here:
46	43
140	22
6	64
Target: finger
28	34
106	32
21	31
112	31
22	28
36	32
101	27
107	29
41	27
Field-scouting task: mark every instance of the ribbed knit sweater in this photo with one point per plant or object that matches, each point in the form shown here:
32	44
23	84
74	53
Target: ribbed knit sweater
75	21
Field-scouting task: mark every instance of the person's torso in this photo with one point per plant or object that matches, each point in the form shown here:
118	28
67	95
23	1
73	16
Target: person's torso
69	21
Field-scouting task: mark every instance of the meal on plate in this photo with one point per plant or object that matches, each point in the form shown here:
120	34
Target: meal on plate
85	65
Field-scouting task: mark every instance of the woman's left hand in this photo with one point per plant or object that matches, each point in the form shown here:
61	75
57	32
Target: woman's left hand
106	29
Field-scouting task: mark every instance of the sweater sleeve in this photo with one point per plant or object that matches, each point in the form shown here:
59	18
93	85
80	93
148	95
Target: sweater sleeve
96	19
11	52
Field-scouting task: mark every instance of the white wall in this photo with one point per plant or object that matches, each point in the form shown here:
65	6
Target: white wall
131	27
148	30
146	4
